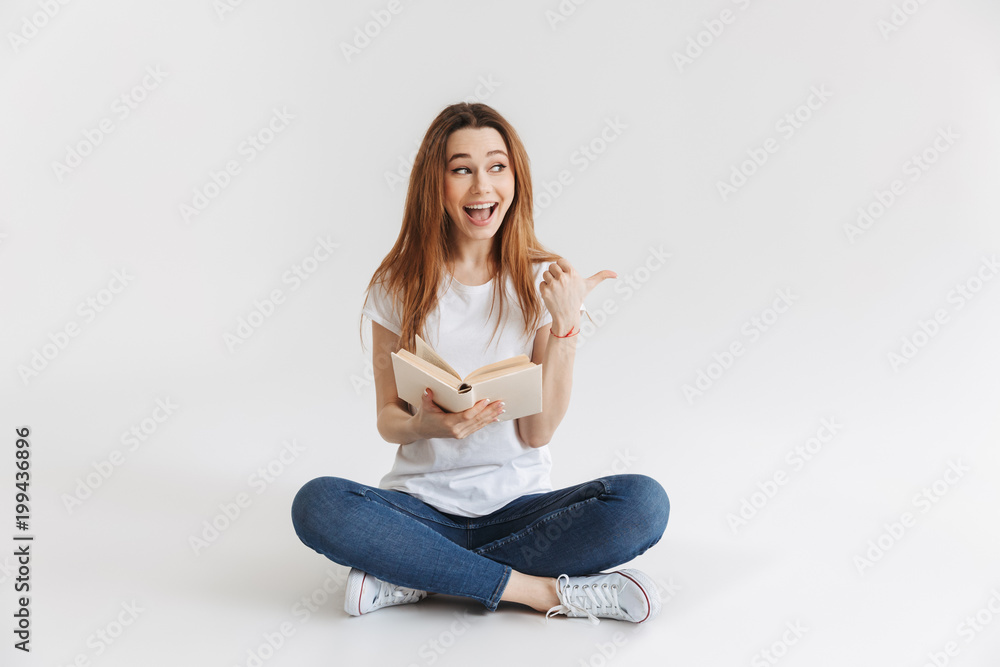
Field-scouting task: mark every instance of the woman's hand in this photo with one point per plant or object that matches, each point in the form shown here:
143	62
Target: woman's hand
430	421
563	291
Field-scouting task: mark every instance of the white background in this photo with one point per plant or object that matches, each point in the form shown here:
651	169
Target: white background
889	91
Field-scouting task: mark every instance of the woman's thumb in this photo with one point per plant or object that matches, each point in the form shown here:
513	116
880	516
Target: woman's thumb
427	401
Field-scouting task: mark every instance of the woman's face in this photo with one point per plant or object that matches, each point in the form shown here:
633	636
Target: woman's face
478	182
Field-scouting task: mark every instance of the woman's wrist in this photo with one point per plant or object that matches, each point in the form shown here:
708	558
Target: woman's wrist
413	429
561	329
398	426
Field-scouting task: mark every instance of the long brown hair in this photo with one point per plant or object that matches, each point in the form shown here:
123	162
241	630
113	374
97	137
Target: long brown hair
412	271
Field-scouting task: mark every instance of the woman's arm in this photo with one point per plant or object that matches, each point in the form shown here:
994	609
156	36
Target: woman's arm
395	423
556	355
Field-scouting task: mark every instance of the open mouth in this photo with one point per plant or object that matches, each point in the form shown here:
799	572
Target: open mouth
481	213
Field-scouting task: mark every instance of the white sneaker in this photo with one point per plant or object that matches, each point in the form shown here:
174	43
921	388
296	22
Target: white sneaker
625	595
365	593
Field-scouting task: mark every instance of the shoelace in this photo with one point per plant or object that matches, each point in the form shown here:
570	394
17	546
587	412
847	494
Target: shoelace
392	594
581	599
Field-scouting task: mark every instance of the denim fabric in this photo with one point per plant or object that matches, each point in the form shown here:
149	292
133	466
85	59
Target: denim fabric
582	529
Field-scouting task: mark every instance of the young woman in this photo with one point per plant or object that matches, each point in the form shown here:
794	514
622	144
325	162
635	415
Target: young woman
468	508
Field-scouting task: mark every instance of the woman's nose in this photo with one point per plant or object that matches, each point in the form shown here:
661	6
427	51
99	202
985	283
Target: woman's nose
480	183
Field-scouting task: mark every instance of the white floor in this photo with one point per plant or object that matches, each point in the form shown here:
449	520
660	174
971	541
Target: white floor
727	597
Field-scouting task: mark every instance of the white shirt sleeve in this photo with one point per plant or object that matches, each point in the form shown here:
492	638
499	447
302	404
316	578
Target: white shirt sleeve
379	309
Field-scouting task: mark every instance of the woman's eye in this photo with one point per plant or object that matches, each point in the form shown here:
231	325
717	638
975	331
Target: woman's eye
497	168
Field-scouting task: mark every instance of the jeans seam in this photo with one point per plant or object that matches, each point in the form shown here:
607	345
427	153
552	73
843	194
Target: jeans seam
526	512
494	601
505	519
533	528
494	522
365	492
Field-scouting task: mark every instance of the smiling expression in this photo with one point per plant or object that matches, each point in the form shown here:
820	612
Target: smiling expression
479	181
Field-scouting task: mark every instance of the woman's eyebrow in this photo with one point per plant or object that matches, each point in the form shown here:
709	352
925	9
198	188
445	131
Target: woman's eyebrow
466	155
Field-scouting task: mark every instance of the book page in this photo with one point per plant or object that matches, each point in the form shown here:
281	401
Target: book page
428	368
425	351
499	368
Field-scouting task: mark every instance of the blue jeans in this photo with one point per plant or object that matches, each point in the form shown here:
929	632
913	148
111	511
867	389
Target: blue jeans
391	535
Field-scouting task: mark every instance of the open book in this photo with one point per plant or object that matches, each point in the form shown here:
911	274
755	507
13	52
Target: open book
517	381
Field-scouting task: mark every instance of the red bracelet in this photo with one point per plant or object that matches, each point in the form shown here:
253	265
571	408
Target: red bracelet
571	333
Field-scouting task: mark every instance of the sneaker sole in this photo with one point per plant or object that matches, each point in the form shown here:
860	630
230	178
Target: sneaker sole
352	599
648	589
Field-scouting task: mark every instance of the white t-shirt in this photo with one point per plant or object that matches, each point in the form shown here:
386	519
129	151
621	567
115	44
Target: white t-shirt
478	474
